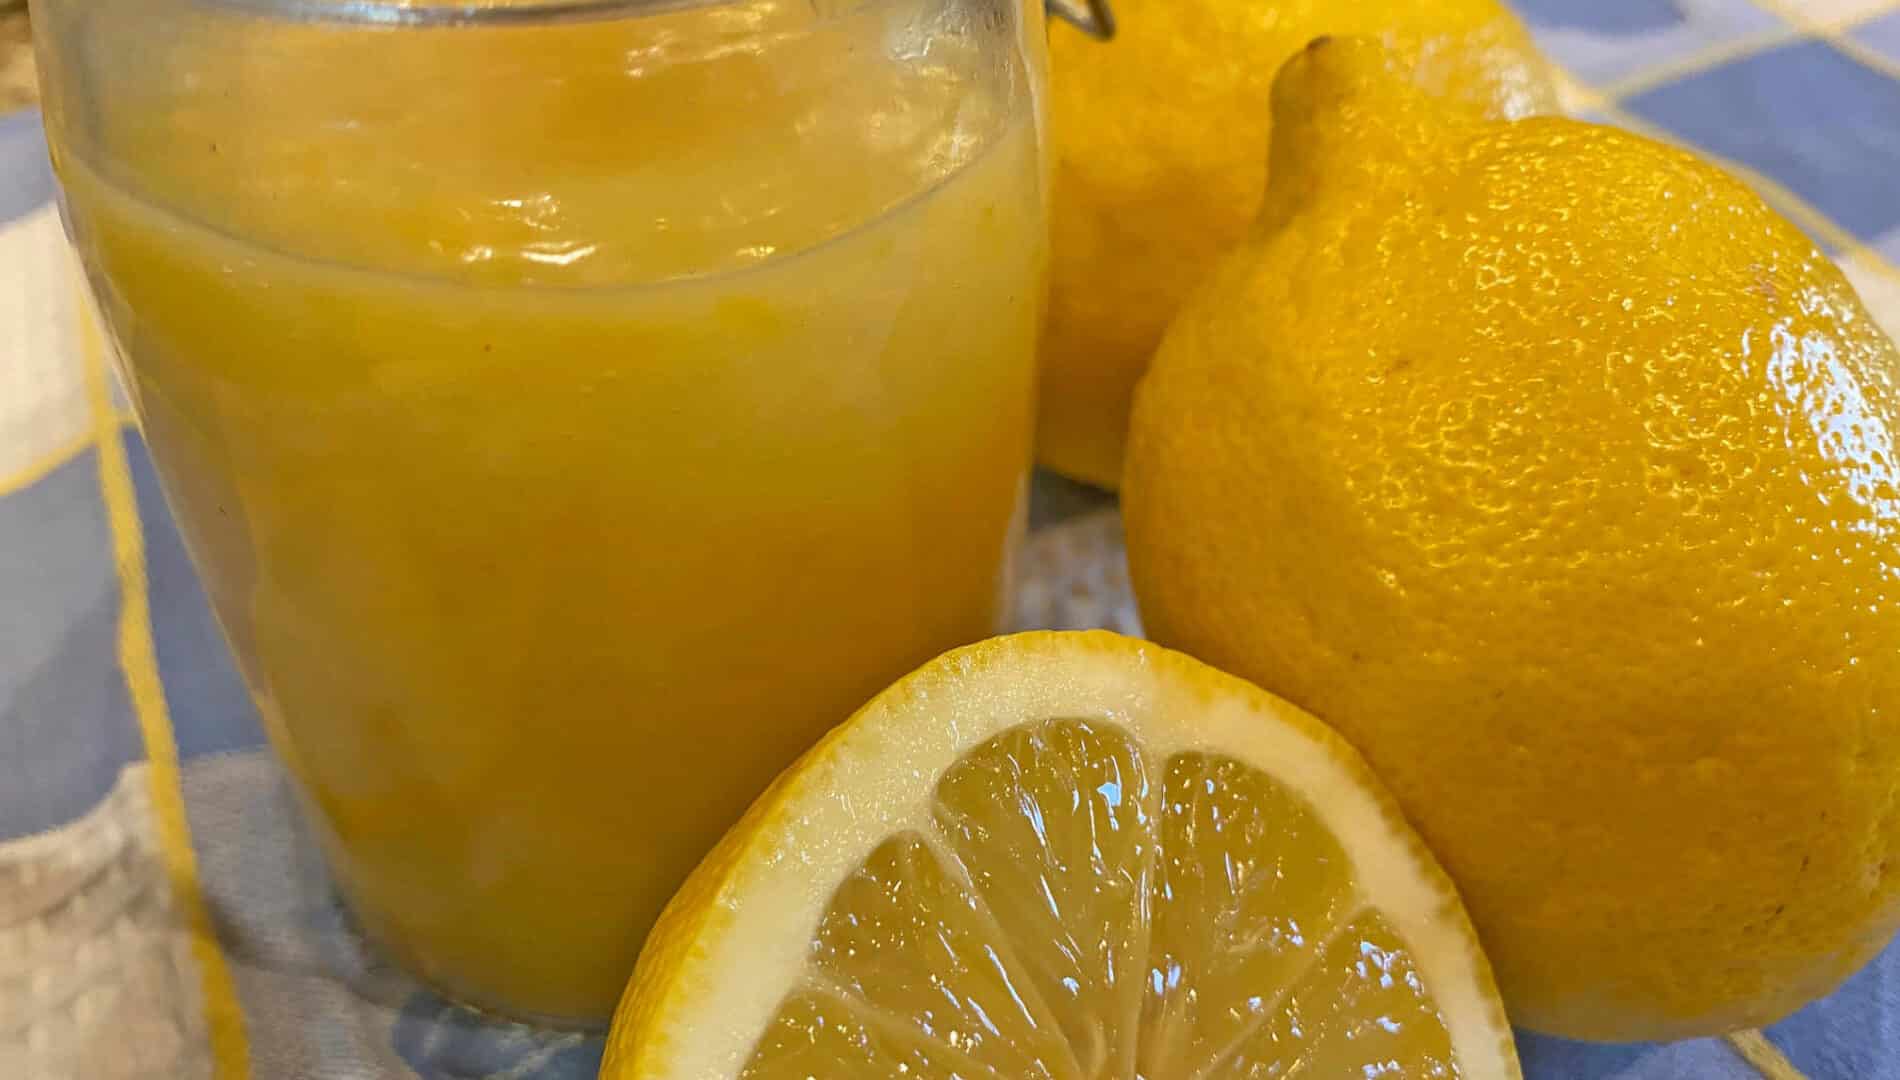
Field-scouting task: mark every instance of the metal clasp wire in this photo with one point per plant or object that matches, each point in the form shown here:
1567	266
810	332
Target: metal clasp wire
1093	17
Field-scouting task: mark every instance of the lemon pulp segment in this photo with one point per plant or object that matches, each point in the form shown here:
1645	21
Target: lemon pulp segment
1077	907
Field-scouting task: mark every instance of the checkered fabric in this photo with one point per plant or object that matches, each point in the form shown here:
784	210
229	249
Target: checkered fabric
162	913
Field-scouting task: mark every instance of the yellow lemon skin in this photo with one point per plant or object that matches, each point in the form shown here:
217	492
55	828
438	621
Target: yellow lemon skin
1559	474
1160	143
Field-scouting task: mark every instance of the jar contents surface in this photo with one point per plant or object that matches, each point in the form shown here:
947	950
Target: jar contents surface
571	423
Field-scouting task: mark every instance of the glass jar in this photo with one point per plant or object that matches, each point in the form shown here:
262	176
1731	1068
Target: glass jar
572	408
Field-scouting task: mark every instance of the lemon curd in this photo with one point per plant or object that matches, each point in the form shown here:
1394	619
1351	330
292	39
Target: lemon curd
573	421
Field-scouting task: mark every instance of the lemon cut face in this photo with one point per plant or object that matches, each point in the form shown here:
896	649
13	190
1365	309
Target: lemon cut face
1068	856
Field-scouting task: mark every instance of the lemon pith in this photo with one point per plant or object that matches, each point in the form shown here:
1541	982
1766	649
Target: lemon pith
1065	855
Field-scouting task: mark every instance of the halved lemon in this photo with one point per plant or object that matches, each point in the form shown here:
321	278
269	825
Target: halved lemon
1069	856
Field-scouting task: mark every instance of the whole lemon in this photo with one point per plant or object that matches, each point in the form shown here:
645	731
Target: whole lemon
1161	155
1563	478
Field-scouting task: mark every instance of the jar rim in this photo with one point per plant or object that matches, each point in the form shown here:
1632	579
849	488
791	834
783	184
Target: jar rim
1093	17
404	13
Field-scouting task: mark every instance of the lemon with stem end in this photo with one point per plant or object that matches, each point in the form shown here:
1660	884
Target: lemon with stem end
1559	474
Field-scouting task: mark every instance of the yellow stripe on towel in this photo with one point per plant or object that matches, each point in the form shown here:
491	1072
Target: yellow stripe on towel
224	1020
1765	1056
